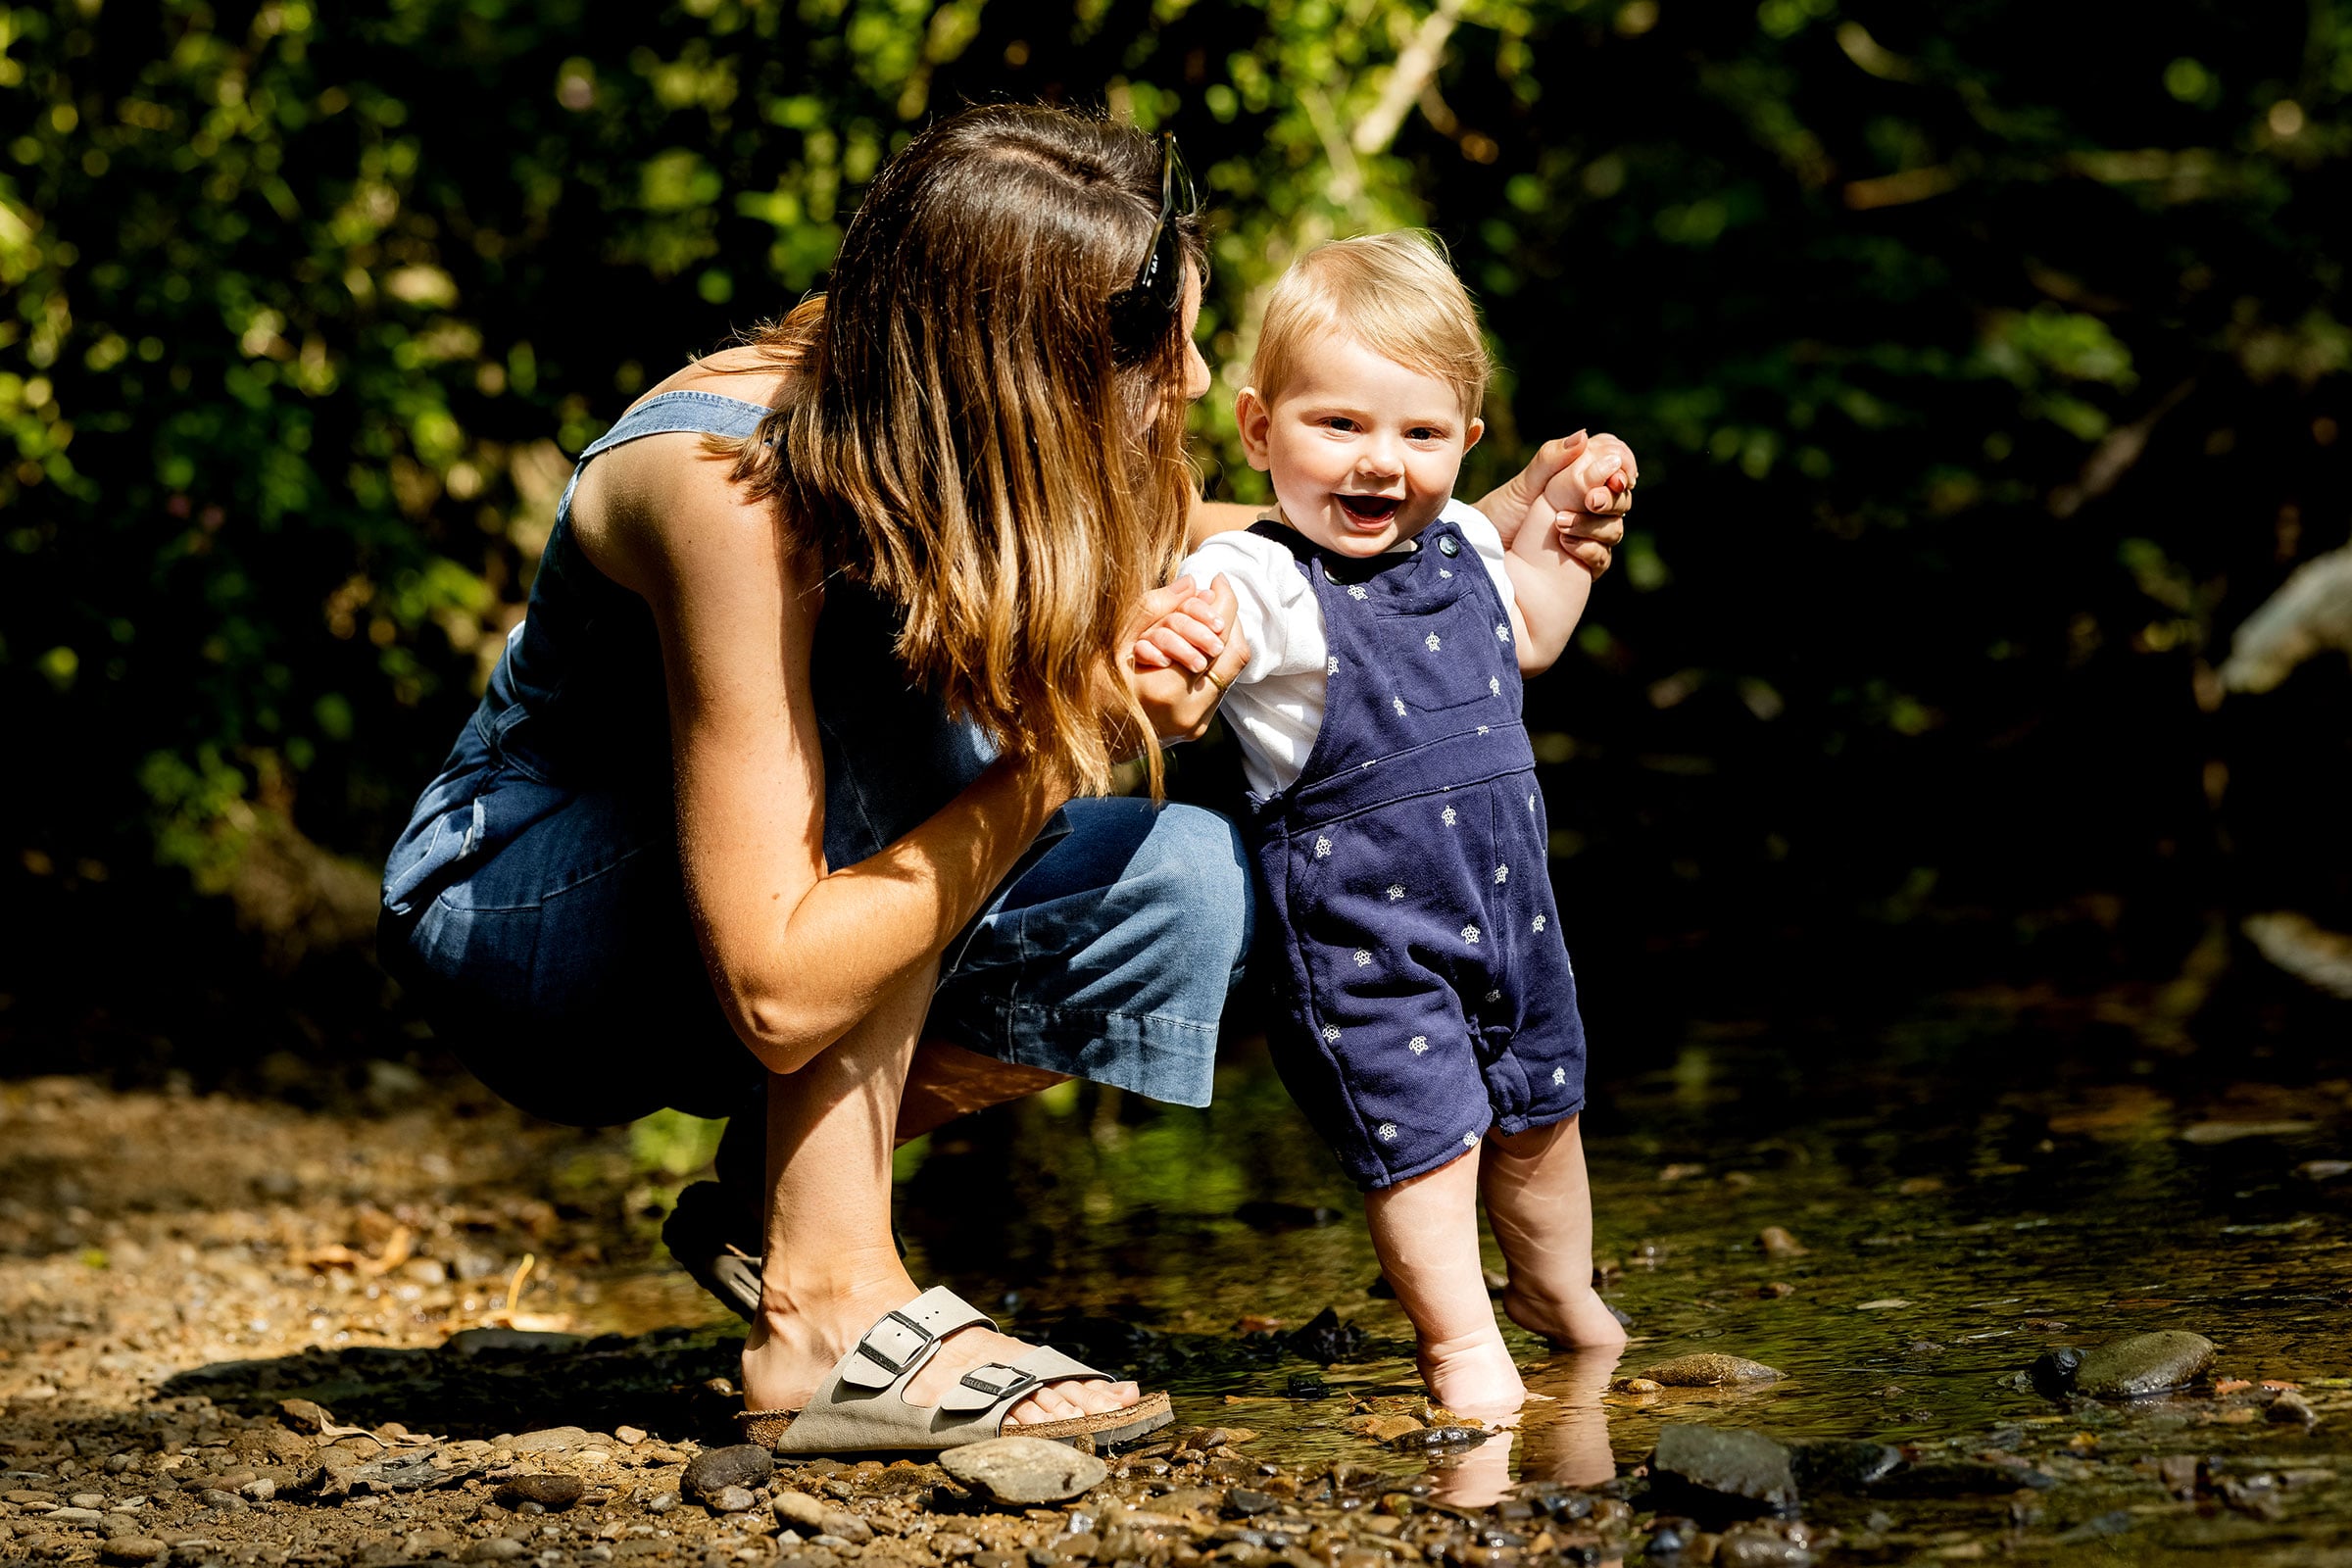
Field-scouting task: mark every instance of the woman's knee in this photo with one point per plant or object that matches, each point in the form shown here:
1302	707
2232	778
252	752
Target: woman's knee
1195	874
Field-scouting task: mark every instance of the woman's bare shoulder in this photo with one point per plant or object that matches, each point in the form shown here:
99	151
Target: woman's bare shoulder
745	372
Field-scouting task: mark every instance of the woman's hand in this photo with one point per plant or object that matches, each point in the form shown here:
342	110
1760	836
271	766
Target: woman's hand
1587	483
1182	650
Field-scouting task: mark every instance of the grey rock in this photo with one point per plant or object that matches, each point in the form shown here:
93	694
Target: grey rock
74	1516
551	1440
2141	1364
133	1550
662	1502
2053	1371
261	1489
88	1500
1422	1439
494	1549
846	1526
730	1499
548	1491
1714	1471
1025	1471
745	1466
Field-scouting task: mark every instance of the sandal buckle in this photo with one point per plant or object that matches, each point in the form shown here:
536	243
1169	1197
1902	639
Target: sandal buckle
1017	1381
925	1340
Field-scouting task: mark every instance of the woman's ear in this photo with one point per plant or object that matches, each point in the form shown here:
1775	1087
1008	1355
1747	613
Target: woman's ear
1251	414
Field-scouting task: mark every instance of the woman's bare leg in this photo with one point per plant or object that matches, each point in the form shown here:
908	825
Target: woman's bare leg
1425	1232
830	1270
1540	1205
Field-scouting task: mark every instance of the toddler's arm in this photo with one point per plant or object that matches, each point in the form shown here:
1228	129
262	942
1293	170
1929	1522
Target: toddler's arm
1549	587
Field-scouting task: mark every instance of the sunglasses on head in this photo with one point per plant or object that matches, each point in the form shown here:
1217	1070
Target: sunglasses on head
1142	313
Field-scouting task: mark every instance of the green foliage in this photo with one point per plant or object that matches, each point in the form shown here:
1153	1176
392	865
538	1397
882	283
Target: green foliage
1923	320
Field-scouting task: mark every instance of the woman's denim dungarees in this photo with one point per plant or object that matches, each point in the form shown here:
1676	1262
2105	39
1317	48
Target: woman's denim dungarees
534	902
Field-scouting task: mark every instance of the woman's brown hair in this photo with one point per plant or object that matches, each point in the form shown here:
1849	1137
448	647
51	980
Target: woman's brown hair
963	435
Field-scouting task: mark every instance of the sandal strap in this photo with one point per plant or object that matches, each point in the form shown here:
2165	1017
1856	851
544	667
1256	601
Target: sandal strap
997	1386
896	1348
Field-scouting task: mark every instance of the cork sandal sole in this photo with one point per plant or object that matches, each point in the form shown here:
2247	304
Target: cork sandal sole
1104	1428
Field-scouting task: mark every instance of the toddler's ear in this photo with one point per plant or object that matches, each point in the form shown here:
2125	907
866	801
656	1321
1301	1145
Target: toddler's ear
1474	435
1253	417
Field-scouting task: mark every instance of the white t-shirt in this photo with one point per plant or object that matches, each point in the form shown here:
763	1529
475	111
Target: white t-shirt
1276	705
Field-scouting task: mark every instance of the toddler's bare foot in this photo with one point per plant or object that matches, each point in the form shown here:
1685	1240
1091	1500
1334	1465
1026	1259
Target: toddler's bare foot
1575	1318
1473	1376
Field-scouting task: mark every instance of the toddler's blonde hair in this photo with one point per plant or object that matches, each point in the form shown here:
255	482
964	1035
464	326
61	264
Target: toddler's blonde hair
1396	294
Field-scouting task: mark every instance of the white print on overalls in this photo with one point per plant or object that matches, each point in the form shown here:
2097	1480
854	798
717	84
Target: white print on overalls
1494	995
1482	729
1322	848
1469	1140
1396	891
1364	958
1502	632
1388	1132
1538	922
1447	816
1419	1044
1442	573
1331	664
1331	1034
1531	803
1559	1075
1430	641
1470	935
1502	874
1355	590
1399	702
1494	684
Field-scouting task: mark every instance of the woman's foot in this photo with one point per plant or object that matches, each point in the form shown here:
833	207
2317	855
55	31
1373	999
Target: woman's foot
1473	1376
788	1357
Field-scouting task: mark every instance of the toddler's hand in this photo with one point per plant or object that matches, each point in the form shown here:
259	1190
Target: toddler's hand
1189	637
1596	478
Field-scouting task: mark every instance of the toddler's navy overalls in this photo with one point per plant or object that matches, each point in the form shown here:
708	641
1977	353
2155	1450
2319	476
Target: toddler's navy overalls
1430	993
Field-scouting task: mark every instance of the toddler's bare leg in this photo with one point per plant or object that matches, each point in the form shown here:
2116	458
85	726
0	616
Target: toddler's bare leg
1426	1232
1541	1206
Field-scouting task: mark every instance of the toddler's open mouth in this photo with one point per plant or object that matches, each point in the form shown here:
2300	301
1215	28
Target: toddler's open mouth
1368	509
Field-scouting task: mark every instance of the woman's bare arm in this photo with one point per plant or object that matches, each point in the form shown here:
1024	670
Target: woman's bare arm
798	952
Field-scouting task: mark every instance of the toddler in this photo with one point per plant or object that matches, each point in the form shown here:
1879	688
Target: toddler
1433	1036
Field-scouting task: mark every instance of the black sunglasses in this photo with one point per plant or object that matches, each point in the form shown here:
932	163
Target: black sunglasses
1141	312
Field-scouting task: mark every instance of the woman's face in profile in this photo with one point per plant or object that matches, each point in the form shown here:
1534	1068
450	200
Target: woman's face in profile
1196	368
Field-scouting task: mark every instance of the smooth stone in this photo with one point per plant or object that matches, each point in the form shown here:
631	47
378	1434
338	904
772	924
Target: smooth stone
2291	1407
2143	1364
1718	1470
548	1491
88	1500
744	1465
1841	1466
1776	1242
846	1526
730	1499
1423	1439
550	1440
494	1549
134	1548
261	1489
1709	1370
1026	1471
802	1512
73	1516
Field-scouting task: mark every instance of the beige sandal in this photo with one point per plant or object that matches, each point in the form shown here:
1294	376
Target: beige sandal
861	1408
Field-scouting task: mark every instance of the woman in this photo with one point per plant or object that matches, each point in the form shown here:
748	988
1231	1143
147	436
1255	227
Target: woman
786	790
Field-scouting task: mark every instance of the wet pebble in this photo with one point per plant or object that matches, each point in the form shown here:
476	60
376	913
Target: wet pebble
742	1466
548	1491
1749	1548
1709	1369
133	1550
1423	1439
800	1511
1244	1501
1777	1243
2141	1364
1841	1466
1025	1471
2291	1407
